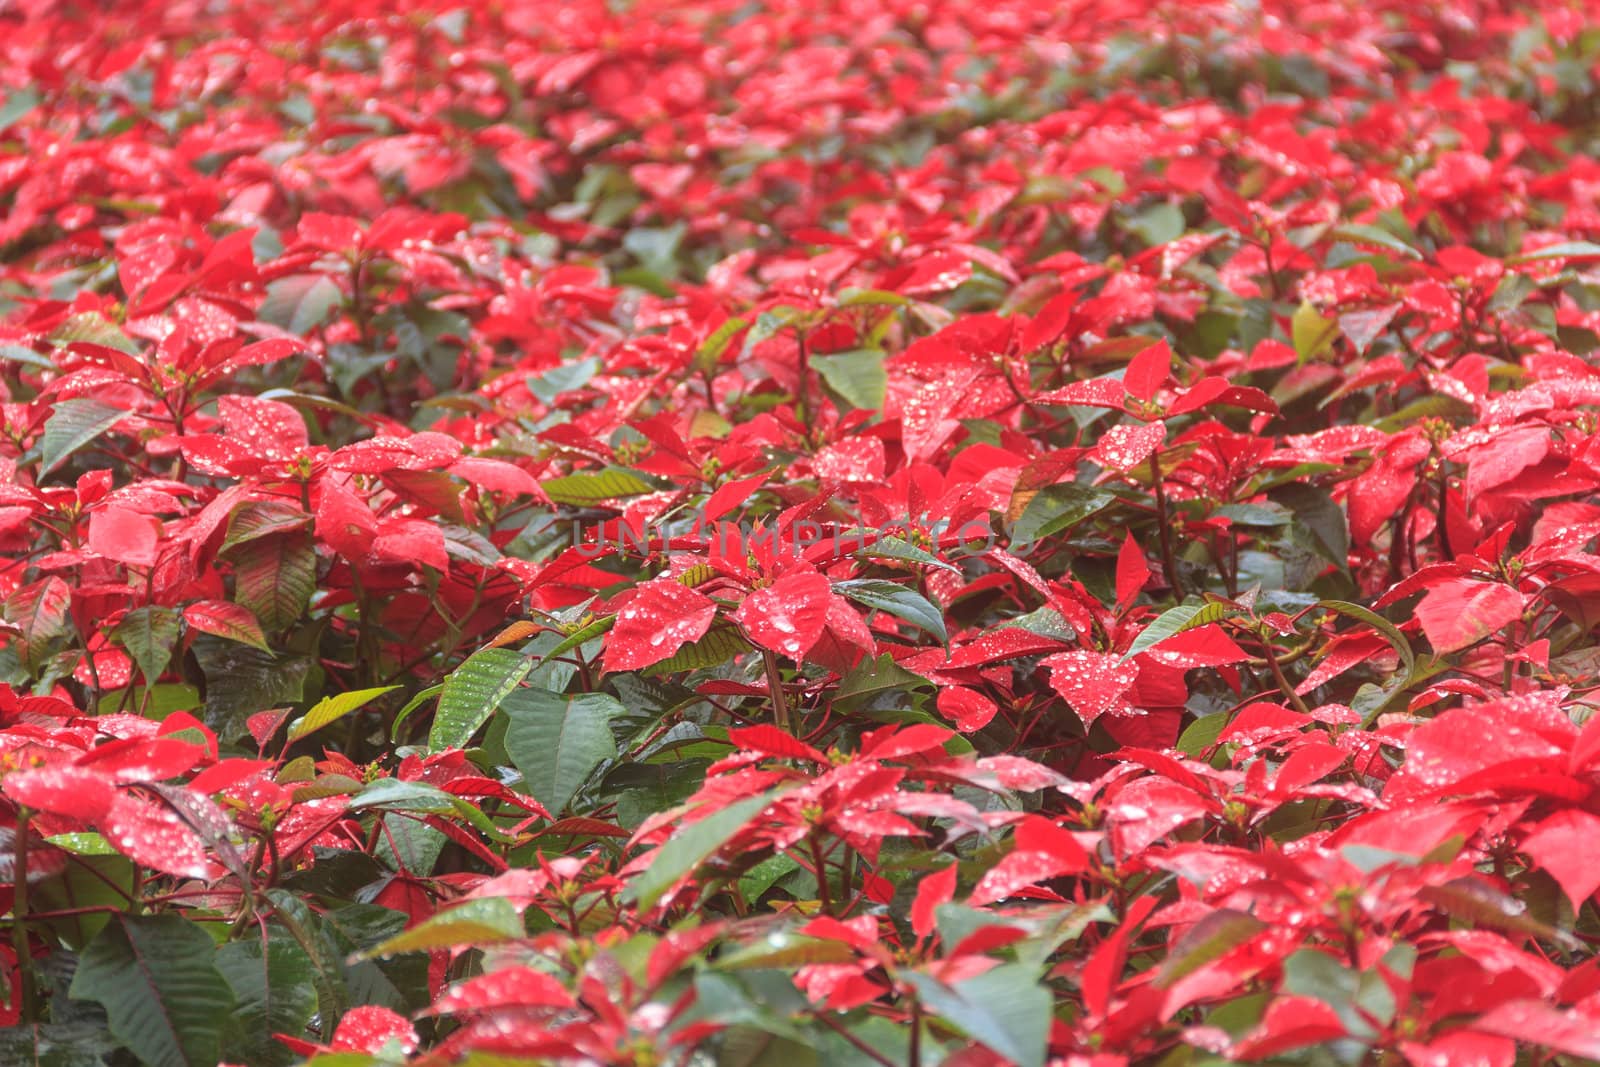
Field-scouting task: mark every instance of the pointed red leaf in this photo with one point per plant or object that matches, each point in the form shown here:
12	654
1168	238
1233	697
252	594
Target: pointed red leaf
1462	612
788	616
934	889
771	741
1124	447
663	616
1092	682
1148	371
1563	846
509	987
969	709
224	619
62	789
124	535
369	1028
1132	572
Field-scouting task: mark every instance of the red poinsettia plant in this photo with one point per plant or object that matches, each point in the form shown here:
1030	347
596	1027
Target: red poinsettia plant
722	533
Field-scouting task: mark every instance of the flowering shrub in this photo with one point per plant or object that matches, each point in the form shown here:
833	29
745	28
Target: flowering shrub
796	533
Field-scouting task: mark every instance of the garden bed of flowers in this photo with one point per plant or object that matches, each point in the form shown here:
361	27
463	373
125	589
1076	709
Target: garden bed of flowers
799	532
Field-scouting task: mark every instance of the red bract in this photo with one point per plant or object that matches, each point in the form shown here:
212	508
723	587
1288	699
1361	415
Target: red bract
685	532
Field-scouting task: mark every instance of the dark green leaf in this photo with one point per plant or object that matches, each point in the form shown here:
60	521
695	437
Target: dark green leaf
149	634
157	979
557	741
300	302
857	376
897	600
472	692
275	992
1056	507
689	847
1005	1009
242	680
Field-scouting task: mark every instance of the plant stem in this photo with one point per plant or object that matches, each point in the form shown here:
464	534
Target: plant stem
1271	656
19	921
820	866
780	712
1169	566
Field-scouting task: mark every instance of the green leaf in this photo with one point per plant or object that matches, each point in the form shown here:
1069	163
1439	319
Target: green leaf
592	487
897	600
689	847
313	933
582	635
274	577
83	844
858	377
38	611
880	675
275	992
149	634
157	979
95	328
1390	632
392	794
755	1046
770	323
490	921
784	949
718	646
1564	250
71	425
1253	514
412	705
99	878
896	549
851	298
19	102
557	741
333	708
81	1042
28	357
242	680
1175	621
1056	507
709	354
1158	224
1005	1009
1201	734
1311	331
1362	234
1315	511
472	692
300	302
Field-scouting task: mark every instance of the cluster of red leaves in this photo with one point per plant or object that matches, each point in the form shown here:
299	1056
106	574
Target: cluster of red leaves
884	533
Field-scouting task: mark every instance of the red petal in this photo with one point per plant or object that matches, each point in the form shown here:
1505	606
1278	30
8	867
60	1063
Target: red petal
662	617
369	1028
124	535
1462	612
788	616
62	789
1563	845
